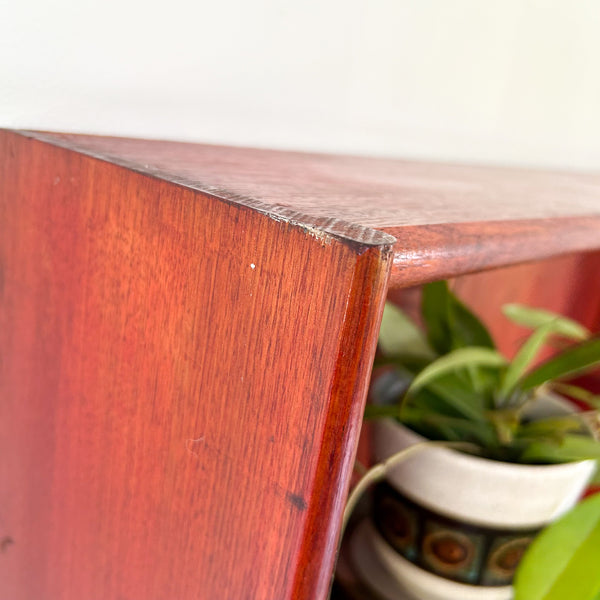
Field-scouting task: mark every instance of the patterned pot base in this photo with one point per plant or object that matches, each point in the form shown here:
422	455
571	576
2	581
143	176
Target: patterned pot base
448	548
388	576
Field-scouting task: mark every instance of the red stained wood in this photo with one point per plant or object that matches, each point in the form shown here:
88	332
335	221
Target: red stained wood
186	334
182	383
435	252
447	219
370	192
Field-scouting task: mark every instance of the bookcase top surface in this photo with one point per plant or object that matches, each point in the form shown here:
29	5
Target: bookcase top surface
372	192
432	210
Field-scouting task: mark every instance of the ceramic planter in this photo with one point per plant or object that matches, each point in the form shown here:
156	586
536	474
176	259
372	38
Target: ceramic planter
448	525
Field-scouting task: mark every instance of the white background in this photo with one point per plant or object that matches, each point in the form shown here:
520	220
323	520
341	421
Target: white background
503	81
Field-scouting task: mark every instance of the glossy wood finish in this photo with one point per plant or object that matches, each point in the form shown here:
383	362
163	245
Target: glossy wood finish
435	252
182	385
186	334
447	219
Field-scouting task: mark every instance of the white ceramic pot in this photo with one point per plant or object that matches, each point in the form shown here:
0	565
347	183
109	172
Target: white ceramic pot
471	518
478	490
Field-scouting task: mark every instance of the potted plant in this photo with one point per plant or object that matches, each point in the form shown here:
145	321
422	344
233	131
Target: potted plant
451	524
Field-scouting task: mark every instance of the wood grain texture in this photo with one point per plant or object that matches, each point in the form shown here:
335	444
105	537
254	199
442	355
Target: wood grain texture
182	381
447	219
430	253
372	192
186	334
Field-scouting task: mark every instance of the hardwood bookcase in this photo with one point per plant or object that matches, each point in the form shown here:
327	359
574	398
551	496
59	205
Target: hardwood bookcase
186	334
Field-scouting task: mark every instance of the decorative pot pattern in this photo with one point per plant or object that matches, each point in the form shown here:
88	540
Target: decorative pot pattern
447	547
451	526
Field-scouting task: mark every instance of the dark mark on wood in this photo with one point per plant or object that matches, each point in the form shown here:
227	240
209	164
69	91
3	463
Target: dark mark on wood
296	500
5	543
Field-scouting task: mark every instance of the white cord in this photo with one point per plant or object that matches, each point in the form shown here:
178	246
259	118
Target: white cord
379	471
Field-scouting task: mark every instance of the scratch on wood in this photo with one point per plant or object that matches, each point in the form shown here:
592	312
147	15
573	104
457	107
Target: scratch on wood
193	445
321	228
318	234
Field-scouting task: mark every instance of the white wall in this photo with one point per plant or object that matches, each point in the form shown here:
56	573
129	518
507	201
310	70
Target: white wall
509	81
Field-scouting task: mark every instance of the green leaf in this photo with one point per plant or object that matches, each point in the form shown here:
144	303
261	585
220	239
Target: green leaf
457	359
570	448
573	360
378	411
524	357
426	399
413	364
465	328
537	317
452	427
552	426
399	335
458	394
450	324
563	560
434	308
